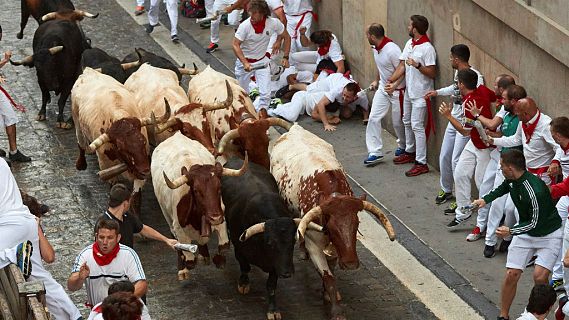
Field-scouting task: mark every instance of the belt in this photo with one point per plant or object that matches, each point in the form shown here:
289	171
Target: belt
267	55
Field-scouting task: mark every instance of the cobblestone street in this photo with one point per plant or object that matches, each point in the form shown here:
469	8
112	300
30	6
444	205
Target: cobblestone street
77	198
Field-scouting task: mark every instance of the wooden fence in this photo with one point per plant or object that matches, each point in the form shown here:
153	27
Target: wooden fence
21	299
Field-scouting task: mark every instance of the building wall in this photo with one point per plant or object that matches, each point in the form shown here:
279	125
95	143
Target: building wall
525	46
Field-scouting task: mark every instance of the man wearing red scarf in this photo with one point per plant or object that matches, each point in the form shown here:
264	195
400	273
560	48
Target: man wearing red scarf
386	56
8	118
418	65
104	262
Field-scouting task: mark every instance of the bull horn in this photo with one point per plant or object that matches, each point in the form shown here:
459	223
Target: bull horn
279	122
26	61
86	14
251	231
370	207
128	65
99	141
49	16
112	171
311	225
221	105
227	138
176	183
188	71
54	50
170	123
152	119
308	217
236	173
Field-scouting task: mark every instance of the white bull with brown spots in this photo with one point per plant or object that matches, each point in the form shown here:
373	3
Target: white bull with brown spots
313	183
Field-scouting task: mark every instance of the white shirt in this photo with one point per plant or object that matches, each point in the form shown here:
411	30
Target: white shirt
563	159
125	266
527	316
334	53
452	90
274	4
254	45
99	316
335	94
541	148
418	84
297	7
386	61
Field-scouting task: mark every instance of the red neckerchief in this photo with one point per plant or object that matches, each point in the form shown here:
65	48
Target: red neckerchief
382	44
423	39
530	128
323	49
104	259
328	71
259	26
98	309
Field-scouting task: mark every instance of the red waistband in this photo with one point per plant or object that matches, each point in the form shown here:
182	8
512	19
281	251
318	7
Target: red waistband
538	171
267	55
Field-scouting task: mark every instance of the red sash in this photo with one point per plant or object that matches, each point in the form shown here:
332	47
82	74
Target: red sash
430	127
401	99
104	259
12	102
530	128
314	15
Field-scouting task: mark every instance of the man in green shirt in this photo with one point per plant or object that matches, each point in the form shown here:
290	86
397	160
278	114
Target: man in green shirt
538	232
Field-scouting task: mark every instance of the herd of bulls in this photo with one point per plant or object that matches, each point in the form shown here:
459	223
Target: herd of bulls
210	165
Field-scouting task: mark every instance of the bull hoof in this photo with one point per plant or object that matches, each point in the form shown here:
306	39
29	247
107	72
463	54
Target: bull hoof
243	289
183	274
64	125
219	261
81	164
40	117
274	315
20	35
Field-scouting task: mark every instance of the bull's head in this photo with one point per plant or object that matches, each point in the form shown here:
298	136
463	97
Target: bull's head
129	146
253	136
204	207
278	237
340	219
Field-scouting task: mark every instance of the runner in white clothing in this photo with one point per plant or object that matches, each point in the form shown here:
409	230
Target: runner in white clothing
250	46
328	47
233	19
386	56
418	64
298	14
154	10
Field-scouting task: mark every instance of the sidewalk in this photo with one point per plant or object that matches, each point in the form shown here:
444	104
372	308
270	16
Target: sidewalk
411	200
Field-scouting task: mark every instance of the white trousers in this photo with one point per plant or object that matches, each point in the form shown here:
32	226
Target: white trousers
291	28
209	7
487	186
301	102
16	229
562	208
305	60
451	148
262	78
233	18
379	108
500	207
472	163
171	6
414	111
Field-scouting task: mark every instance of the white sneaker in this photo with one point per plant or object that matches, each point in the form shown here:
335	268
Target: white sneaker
474	235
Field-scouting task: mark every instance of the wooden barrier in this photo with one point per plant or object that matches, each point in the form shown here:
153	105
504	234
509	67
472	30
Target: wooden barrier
19	299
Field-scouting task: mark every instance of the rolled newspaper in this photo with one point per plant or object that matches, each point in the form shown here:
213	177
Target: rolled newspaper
259	66
469	208
186	247
478	125
215	15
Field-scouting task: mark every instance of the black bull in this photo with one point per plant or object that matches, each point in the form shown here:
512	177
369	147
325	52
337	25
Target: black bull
38	8
253	199
57	47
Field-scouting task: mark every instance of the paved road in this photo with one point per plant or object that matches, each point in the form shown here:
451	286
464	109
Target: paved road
78	198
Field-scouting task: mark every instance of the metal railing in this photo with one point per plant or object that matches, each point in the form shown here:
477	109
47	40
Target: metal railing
20	299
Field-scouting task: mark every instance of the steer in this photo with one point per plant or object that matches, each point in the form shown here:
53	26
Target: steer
191	204
313	183
109	123
260	226
150	84
57	46
99	60
156	61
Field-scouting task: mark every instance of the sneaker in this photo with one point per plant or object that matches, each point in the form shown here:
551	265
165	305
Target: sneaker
451	209
399	152
404	158
489	251
474	235
504	245
150	28
455	222
19	157
556	284
559	315
373	160
205	24
175	39
443	197
254	94
139	10
211	48
23	257
417	169
274	103
2	153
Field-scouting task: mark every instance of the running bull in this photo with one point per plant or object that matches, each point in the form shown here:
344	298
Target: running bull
191	203
313	183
